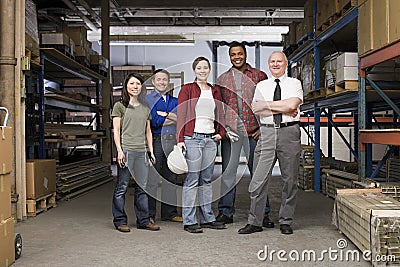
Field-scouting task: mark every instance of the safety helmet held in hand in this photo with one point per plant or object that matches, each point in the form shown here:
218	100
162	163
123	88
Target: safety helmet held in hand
176	161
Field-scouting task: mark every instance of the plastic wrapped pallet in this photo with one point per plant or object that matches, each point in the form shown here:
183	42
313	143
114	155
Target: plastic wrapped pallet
370	220
307	73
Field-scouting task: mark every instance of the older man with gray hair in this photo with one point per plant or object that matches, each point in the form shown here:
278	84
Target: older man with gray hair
277	102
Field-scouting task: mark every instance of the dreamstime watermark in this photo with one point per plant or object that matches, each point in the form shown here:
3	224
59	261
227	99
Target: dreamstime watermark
330	254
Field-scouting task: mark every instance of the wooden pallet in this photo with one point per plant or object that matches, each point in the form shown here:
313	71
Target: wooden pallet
36	206
316	94
335	17
346	6
342	88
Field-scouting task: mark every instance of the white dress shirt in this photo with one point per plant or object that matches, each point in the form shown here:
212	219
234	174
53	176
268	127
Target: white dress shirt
290	87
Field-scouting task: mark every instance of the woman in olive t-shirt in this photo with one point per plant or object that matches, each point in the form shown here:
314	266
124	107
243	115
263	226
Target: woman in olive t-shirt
132	138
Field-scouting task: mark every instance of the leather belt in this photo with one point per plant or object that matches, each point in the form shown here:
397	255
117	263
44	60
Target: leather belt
203	135
280	125
165	136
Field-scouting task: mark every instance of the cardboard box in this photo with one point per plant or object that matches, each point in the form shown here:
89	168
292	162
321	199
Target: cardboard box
394	21
40	178
78	34
299	31
6	144
365	34
347	59
326	9
7	249
5	196
55	38
346	74
292	33
380	23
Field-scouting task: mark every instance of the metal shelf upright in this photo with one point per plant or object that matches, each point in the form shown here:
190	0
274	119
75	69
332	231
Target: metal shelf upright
369	137
340	103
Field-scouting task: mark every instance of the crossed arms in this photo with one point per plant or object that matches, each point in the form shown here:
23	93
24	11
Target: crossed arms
268	108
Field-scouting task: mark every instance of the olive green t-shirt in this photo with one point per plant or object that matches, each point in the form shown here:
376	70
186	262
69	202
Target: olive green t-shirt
133	125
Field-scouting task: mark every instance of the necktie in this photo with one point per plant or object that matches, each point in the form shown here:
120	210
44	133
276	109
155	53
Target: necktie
277	96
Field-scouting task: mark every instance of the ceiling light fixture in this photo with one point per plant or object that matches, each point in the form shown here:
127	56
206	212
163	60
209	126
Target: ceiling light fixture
154	43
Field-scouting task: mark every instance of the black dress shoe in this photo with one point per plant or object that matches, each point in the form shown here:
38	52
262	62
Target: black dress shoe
224	219
286	229
194	229
213	225
268	223
249	229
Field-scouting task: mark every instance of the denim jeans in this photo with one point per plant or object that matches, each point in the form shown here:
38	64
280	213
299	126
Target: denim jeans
137	165
201	151
162	148
230	162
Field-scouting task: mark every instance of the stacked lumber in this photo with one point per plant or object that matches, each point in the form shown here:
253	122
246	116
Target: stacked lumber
341	165
371	221
77	178
335	179
56	132
305	180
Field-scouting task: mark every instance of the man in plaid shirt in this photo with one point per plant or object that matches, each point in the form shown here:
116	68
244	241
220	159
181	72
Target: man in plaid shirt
237	87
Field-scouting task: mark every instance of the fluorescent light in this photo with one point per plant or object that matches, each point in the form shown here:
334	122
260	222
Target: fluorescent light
154	43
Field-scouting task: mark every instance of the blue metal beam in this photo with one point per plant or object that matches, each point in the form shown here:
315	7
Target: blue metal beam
383	161
362	103
345	99
308	133
317	151
342	136
352	15
41	106
308	48
330	134
383	95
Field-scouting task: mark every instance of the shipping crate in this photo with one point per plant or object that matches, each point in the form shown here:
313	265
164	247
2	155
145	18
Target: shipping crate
7	248
40	178
5	196
6	145
378	24
370	220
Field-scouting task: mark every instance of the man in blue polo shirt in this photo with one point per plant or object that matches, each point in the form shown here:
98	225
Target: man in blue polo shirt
163	127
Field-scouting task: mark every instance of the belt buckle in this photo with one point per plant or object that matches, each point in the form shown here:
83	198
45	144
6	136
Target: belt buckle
277	126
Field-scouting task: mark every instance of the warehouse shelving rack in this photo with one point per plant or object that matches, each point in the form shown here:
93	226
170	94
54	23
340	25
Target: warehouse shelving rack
57	66
385	136
342	103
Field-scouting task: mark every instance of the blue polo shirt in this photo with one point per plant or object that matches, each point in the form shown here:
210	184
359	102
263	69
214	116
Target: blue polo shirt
157	103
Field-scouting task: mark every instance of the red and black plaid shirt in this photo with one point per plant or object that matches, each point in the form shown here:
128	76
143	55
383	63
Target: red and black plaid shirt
226	82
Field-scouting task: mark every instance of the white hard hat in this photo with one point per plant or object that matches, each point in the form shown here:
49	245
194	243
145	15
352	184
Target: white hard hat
176	161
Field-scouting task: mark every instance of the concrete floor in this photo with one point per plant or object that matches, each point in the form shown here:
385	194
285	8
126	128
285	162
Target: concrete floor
80	233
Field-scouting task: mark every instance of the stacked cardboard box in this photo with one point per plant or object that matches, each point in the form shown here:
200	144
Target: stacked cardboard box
325	10
378	24
347	67
58	40
7	256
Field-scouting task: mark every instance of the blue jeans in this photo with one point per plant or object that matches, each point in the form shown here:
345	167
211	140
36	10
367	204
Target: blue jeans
162	148
201	151
137	164
230	161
